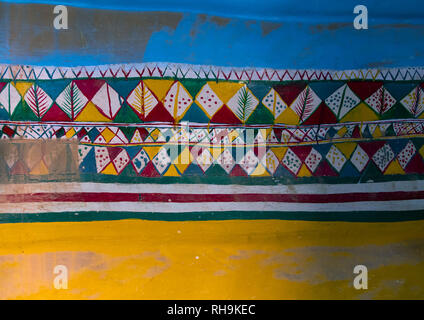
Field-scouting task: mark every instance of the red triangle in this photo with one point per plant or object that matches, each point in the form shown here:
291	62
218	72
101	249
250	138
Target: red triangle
363	89
225	115
356	132
290	92
55	114
113	152
323	114
150	171
371	147
325	170
415	165
277	132
19	168
89	87
301	151
81	133
143	133
2	85
238	171
159	113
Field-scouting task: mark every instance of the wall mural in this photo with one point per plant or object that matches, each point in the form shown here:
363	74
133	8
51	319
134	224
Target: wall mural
202	126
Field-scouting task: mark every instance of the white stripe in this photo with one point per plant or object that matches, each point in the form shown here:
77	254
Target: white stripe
67	187
40	207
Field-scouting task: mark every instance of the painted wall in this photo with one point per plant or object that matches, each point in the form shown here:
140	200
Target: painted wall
227	259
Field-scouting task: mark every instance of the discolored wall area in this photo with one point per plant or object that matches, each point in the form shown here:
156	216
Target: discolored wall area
273	34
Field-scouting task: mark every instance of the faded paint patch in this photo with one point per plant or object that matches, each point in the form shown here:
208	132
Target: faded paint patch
202	19
268	27
329	26
317	264
24	160
31	30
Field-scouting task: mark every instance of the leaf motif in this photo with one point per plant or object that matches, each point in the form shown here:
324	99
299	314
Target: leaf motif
142	100
38	100
243	103
305	104
414	101
71	100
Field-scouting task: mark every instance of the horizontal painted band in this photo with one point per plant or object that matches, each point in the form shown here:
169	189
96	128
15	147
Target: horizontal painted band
207	72
125	206
364	216
180	188
195	198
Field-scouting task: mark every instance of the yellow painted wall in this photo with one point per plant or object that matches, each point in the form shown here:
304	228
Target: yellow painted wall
274	259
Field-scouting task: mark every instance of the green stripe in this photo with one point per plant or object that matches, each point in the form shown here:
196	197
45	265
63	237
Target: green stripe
220	180
368	216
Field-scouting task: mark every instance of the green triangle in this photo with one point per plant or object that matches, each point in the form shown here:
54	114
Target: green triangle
261	115
215	170
398	111
128	132
128	171
126	115
371	172
193	86
23	112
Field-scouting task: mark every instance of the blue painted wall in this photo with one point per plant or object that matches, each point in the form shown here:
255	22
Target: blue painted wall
268	33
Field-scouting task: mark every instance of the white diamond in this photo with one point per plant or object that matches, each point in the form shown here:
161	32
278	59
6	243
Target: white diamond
359	158
274	103
161	161
406	154
292	161
336	158
383	157
313	159
249	162
208	100
140	161
9	98
108	101
226	161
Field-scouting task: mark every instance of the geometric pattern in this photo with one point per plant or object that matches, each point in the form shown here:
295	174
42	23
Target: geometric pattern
300	103
145	121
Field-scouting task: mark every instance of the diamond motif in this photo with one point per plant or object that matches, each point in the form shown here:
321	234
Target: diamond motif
313	159
161	161
359	158
270	161
292	161
274	103
342	101
102	158
9	98
336	158
249	162
108	101
406	154
383	157
208	100
226	161
205	159
140	161
243	103
121	161
177	100
414	101
142	100
381	101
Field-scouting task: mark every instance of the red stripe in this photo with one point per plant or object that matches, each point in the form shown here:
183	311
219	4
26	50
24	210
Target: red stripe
178	197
